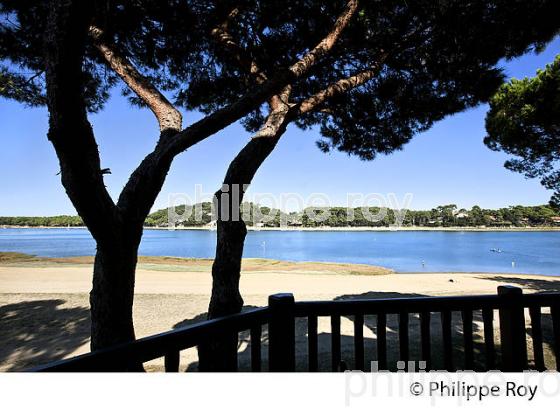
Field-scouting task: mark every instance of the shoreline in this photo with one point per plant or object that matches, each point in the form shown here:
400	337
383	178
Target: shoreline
330	229
200	265
249	266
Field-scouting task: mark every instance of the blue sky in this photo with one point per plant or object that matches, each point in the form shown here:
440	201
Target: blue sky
447	164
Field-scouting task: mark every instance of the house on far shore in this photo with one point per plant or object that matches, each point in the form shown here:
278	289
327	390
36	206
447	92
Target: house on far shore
555	220
503	224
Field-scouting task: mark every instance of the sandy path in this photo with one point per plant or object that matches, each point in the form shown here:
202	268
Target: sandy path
302	285
44	311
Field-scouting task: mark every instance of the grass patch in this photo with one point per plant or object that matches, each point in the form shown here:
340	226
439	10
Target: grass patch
175	264
15	257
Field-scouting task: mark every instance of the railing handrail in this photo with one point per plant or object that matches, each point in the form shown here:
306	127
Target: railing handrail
394	305
540	299
415	304
158	345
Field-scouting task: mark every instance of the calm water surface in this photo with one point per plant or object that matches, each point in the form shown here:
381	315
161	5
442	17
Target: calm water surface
531	252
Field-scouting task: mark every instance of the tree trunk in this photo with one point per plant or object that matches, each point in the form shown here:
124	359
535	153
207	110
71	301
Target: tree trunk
111	298
221	354
112	295
226	270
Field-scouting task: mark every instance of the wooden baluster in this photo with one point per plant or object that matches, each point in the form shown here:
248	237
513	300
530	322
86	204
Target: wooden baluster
335	342
382	341
488	318
467	316
403	338
426	338
359	342
172	362
312	342
536	335
256	333
447	344
555	313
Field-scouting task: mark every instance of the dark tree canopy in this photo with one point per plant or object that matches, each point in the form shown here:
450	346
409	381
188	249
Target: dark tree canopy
145	32
425	57
524	120
444	72
428	54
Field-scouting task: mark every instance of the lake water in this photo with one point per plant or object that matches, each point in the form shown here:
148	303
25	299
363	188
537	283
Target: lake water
404	251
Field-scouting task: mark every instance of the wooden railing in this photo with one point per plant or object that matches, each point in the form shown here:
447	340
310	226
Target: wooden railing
282	313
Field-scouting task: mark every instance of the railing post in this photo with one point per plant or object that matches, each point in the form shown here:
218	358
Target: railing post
512	329
281	333
172	359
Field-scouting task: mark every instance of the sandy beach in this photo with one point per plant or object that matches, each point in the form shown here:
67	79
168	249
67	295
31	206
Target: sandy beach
44	312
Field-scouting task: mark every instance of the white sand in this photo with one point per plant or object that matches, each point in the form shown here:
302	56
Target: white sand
78	280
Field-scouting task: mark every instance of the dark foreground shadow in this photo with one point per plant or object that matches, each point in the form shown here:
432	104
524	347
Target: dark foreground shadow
538	285
370	335
370	339
414	346
243	345
38	332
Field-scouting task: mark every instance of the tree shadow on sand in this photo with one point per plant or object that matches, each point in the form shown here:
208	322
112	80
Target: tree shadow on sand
540	286
370	335
537	285
436	338
38	332
243	344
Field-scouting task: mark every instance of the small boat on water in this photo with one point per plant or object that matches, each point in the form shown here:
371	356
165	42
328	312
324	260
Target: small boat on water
497	250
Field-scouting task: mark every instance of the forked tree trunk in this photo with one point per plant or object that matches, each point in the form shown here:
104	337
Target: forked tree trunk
69	22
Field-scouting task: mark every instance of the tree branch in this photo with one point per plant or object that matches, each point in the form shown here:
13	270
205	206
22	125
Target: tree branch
278	101
339	87
327	43
223	37
247	162
168	117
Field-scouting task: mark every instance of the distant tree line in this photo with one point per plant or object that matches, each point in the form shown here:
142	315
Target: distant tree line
50	221
442	216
